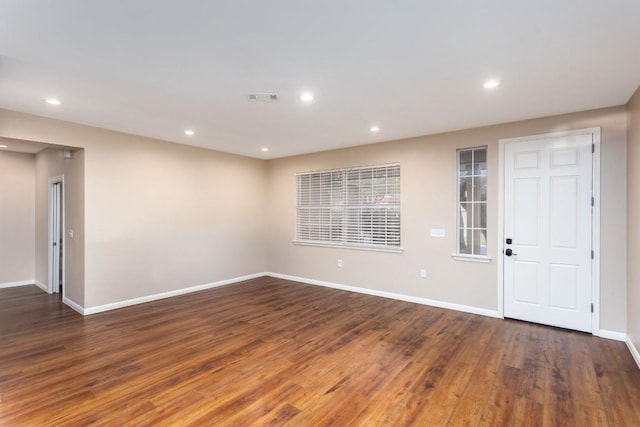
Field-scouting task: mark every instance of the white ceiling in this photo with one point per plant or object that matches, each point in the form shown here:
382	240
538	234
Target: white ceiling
157	67
22	146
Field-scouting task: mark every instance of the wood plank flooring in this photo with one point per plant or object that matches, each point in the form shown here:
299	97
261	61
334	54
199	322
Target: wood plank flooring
269	352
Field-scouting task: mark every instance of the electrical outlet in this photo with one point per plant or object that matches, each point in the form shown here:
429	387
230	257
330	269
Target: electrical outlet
339	263
423	273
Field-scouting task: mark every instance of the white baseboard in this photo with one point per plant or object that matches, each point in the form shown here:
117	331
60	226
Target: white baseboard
15	284
149	298
77	307
25	283
612	335
401	297
633	350
41	286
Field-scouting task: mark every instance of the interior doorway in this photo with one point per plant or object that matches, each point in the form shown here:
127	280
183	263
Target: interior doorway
56	235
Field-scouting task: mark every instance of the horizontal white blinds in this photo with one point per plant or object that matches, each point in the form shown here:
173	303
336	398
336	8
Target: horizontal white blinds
351	207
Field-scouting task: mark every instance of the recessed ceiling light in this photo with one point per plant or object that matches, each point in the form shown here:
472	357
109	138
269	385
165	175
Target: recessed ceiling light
374	129
490	84
4	146
264	149
306	97
189	132
53	101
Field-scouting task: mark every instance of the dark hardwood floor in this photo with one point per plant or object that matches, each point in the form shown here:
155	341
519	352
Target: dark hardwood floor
272	352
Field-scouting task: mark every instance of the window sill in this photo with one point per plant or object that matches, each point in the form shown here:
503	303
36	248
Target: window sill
359	248
471	258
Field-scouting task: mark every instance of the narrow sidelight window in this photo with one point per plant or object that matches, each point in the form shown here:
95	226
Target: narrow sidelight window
472	201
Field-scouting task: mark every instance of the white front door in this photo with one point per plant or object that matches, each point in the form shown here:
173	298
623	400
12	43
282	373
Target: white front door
547	231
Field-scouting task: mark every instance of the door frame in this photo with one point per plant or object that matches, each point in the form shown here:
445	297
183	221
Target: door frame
52	181
595	216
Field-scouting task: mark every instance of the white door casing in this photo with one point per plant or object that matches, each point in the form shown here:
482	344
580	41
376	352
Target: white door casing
548	214
56	233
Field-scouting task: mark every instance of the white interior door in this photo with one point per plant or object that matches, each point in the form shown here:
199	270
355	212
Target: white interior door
547	231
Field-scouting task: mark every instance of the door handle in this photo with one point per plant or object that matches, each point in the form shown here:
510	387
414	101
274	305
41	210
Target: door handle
509	252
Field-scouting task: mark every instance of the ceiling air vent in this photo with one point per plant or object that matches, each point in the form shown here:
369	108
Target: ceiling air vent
262	97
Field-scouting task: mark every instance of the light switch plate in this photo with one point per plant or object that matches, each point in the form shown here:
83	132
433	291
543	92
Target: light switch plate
437	232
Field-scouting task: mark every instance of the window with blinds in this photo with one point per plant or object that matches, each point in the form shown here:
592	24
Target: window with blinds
357	207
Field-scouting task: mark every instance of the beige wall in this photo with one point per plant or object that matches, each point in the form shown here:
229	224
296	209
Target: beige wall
17	217
633	227
428	201
49	164
162	216
74	220
158	216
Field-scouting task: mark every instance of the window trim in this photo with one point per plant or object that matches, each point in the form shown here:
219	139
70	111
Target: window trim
457	255
471	258
396	250
343	243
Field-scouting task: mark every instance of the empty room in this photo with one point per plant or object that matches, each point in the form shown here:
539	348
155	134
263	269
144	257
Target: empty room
348	213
